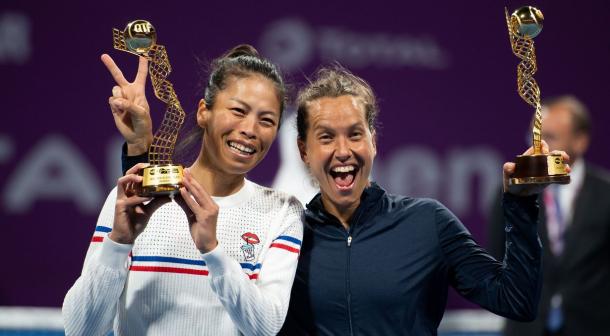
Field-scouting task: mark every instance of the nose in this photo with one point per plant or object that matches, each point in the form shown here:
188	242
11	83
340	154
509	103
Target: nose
247	126
342	149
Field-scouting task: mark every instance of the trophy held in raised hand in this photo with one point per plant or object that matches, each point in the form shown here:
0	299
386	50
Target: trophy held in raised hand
523	25
162	177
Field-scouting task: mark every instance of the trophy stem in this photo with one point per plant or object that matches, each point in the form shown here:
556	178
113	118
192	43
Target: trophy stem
523	48
164	140
537	131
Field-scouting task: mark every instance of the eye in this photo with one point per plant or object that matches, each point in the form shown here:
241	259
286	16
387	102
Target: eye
238	111
357	135
267	122
325	138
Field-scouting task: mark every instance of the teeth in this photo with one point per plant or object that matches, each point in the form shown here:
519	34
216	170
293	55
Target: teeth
344	169
241	147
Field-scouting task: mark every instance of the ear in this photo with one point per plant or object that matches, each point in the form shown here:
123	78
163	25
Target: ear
303	151
202	114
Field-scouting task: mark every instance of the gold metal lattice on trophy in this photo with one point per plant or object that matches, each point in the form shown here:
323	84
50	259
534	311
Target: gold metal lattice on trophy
162	177
523	25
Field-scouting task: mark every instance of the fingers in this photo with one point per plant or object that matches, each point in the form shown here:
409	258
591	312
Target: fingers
114	70
180	199
126	192
137	168
116	105
545	147
187	200
117	92
142	71
200	195
508	168
155	204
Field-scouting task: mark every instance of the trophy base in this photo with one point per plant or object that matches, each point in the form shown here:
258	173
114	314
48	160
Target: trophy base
160	180
539	169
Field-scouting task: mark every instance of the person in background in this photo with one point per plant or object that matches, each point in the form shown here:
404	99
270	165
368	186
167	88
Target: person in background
575	233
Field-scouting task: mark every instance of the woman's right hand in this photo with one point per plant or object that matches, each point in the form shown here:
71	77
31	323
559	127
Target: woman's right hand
129	107
131	215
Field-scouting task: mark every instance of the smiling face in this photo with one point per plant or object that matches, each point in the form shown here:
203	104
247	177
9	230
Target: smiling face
339	150
241	126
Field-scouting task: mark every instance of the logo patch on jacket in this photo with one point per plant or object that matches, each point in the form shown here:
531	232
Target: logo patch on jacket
248	248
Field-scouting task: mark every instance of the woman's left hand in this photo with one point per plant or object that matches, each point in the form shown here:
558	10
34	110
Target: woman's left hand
201	212
529	189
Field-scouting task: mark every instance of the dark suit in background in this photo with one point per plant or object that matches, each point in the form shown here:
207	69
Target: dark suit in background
581	274
579	271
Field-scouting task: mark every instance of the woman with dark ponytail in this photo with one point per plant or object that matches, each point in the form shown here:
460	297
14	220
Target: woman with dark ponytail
220	260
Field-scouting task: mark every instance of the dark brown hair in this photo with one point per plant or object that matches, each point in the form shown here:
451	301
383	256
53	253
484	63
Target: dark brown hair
335	81
239	62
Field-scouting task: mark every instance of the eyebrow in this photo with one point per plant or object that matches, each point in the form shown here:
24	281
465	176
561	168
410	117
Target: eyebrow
250	108
328	126
241	102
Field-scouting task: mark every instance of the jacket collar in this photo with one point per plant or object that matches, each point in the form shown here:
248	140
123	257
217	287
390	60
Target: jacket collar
317	214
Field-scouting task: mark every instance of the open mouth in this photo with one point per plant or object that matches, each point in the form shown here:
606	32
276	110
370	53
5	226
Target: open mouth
344	176
241	148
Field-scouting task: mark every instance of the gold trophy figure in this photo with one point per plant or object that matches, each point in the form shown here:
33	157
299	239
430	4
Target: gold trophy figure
162	177
523	25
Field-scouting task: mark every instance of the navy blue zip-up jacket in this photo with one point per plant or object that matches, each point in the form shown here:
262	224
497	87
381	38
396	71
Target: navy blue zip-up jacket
389	273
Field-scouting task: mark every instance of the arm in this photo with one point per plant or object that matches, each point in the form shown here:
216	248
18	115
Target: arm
495	227
512	288
131	112
128	161
259	307
90	305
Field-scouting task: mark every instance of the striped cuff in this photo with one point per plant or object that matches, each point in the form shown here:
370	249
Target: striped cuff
113	254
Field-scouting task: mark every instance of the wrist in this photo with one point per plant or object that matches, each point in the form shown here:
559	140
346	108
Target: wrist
208	247
137	148
120	238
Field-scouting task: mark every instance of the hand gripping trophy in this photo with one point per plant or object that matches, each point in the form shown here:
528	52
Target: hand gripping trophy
523	25
162	177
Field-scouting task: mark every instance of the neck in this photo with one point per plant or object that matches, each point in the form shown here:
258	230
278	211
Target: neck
214	181
343	213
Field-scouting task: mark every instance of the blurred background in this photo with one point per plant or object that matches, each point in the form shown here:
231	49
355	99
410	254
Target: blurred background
443	71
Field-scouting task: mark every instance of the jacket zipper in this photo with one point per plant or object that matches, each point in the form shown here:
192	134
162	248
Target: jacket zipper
348	268
347	277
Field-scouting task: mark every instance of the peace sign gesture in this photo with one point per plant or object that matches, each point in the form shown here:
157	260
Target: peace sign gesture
130	108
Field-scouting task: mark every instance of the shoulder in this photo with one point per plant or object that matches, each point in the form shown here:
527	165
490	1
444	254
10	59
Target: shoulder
598	174
413	204
421	210
275	198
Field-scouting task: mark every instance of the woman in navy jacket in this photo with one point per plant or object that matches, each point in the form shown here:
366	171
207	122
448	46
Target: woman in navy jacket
379	264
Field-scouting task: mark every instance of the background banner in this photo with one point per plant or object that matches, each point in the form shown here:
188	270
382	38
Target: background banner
443	71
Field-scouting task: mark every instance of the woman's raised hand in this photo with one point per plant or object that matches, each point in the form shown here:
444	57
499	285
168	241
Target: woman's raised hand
129	106
529	189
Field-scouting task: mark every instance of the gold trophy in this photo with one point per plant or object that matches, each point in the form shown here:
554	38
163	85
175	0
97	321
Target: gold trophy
162	177
523	25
